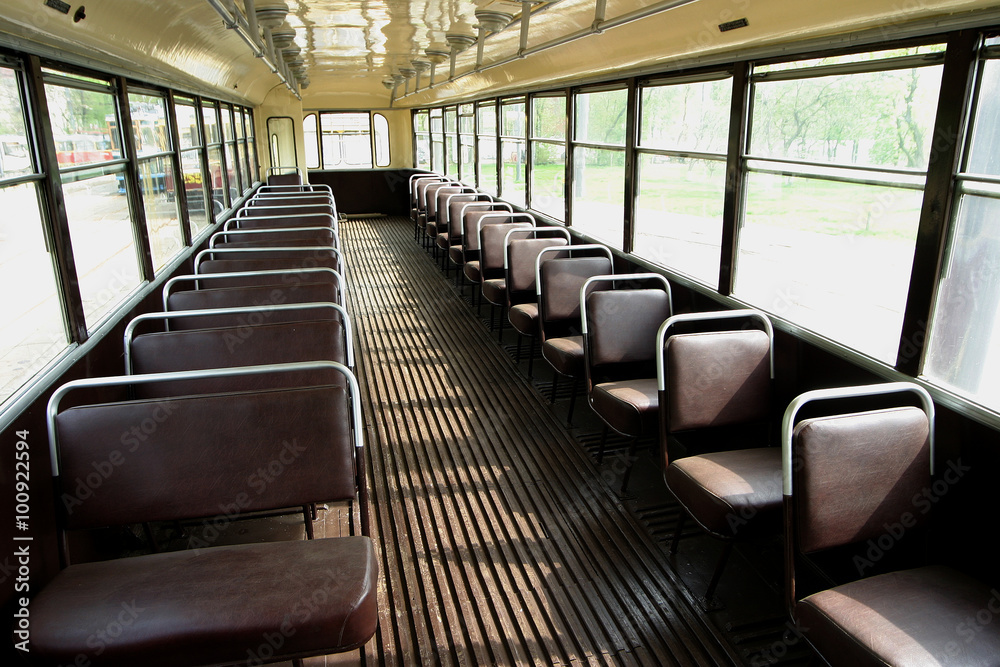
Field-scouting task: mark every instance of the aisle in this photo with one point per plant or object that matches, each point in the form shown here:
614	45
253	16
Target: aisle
500	543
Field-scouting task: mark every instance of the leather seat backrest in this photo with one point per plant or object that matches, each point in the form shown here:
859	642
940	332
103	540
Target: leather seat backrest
717	378
254	295
857	473
269	222
470	224
268	264
562	279
493	233
289	209
431	196
521	256
622	324
241	344
198	449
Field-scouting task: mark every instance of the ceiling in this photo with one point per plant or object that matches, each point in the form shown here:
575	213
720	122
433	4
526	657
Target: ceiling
357	53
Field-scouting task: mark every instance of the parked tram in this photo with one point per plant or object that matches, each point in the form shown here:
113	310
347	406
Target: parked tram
489	333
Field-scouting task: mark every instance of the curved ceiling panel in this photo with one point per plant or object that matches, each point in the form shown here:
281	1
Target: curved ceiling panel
360	53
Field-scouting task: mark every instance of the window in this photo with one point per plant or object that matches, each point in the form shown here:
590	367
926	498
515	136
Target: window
451	166
548	155
513	151
963	349
213	144
836	166
311	136
229	146
682	176
381	139
346	140
33	332
86	131
198	195
437	140
156	176
486	140
467	142
422	134
599	165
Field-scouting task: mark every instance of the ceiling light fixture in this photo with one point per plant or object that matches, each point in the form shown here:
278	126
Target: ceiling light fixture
459	40
437	53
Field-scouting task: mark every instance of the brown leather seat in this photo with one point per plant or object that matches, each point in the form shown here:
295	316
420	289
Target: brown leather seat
210	606
619	334
284	237
282	221
450	232
520	269
558	294
437	215
716	383
848	477
261	295
472	221
493	229
457	207
242	343
218	604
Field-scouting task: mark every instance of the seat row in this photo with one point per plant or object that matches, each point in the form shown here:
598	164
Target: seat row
703	384
240	403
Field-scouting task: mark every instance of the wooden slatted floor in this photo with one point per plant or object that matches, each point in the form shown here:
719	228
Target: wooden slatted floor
500	541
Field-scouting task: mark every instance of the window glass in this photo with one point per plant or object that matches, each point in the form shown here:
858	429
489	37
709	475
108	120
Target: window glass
600	117
486	160
687	116
451	153
219	189
829	255
512	188
882	119
599	193
487	165
194	188
963	351
423	157
103	242
187	125
231	178
678	216
309	134
548	118
467	119
15	150
346	140
451	120
149	124
381	140
825	244
421	121
983	153
156	182
226	112
211	119
84	126
548	179
32	332
487	118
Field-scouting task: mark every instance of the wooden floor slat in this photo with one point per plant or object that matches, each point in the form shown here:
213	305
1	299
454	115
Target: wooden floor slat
500	541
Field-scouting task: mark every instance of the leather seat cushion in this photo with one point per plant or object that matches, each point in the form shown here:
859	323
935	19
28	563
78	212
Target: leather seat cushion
210	606
495	291
524	318
926	616
443	241
565	355
456	255
472	271
730	493
628	406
